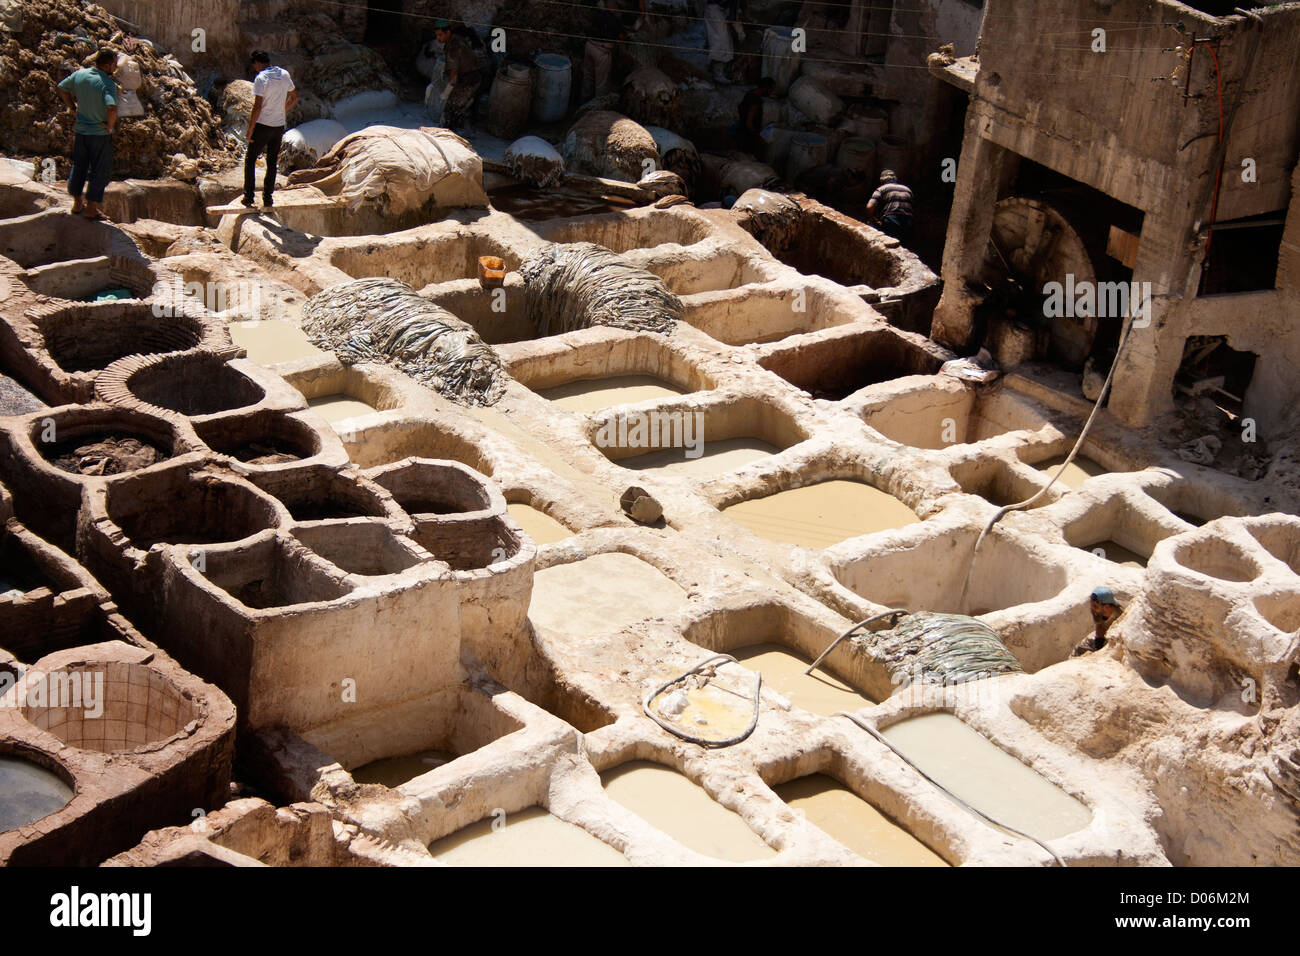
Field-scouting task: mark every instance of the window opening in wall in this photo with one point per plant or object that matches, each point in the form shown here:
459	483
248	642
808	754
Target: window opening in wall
1243	254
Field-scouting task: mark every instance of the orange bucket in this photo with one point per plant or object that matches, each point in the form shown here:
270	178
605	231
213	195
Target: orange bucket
491	271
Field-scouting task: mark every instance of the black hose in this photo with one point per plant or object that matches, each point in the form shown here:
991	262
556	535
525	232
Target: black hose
677	732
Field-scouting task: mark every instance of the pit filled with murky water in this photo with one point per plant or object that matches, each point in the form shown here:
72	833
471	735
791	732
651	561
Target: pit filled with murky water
1079	471
530	837
844	816
537	524
273	341
595	394
669	801
395	771
987	777
714	458
1117	553
28	792
783	671
821	515
601	594
337	408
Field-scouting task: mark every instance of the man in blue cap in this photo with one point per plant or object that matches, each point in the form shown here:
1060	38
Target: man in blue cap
1104	609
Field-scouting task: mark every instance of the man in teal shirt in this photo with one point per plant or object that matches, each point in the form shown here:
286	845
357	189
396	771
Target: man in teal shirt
93	94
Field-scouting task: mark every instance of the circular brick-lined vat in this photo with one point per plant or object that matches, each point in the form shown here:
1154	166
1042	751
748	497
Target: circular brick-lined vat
174	507
109	706
191	384
262	438
319	493
103	441
86	338
428	486
81	281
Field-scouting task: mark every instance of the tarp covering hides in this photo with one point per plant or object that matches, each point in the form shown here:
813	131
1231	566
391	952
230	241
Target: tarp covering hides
400	169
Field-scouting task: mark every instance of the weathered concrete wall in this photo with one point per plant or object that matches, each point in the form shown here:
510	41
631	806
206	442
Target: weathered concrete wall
920	28
172	26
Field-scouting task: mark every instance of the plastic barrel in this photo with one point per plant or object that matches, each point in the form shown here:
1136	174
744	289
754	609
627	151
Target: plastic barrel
815	102
869	123
510	101
892	153
777	149
858	153
806	151
780	62
551	91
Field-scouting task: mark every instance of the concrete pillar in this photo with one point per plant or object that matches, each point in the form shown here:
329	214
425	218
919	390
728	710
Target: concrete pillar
979	172
1167	258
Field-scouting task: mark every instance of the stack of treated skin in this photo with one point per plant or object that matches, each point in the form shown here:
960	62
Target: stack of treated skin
386	321
577	285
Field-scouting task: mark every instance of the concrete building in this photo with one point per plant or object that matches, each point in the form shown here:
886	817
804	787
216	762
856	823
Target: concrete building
1163	139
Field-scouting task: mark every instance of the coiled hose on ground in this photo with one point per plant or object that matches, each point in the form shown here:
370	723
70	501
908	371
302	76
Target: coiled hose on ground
704	742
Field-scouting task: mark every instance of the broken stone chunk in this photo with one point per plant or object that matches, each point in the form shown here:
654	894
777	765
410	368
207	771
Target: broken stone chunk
640	506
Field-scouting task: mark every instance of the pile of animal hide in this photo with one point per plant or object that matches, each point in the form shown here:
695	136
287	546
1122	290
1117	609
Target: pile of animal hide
579	285
387	322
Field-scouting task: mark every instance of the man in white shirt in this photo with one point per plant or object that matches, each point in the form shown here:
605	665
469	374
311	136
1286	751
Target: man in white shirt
273	96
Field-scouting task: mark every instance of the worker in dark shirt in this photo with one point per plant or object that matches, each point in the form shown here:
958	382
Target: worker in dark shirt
892	205
463	76
750	126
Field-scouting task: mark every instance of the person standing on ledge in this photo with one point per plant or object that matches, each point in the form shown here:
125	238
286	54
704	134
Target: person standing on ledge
93	94
1104	609
892	203
273	96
